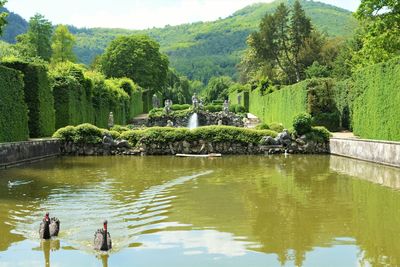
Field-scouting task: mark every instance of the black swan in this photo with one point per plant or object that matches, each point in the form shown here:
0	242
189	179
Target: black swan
102	239
49	227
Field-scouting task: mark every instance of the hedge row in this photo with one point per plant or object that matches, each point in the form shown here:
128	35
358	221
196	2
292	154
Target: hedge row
13	109
38	97
315	97
89	97
375	101
87	133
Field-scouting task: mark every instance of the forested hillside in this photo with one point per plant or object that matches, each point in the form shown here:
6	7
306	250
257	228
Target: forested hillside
205	49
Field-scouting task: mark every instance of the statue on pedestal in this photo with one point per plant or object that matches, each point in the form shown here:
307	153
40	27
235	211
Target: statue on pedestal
195	102
167	106
155	101
110	120
226	107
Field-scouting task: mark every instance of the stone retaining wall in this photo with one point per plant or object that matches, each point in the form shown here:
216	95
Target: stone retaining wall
382	152
12	154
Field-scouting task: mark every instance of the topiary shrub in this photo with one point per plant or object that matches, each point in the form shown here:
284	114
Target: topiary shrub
180	107
88	134
319	134
262	126
66	133
277	127
119	128
302	123
114	134
213	108
236	108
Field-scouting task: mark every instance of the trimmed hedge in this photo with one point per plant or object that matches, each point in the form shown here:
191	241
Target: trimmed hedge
376	106
315	97
38	97
87	97
87	133
13	109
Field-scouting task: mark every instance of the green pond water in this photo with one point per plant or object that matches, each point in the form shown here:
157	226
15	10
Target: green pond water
230	211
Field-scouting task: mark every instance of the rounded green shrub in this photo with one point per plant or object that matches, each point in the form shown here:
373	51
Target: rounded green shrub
180	106
88	134
213	108
302	123
277	127
319	134
262	126
66	133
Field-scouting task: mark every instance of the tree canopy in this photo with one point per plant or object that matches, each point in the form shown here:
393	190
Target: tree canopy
37	41
137	57
63	43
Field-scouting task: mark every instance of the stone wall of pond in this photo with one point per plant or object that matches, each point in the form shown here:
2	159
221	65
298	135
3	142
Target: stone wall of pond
205	118
12	154
383	152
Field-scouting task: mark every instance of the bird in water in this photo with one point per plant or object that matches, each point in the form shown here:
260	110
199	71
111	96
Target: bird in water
49	227
102	239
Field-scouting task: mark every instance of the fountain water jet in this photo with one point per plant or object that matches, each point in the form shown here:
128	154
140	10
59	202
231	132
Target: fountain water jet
193	121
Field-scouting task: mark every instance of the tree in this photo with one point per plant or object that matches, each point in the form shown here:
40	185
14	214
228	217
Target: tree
381	22
218	88
286	42
137	57
63	43
3	16
37	41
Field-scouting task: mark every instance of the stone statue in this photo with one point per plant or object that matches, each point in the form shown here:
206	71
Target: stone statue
167	106
170	123
239	98
195	101
110	120
156	102
201	104
226	107
219	122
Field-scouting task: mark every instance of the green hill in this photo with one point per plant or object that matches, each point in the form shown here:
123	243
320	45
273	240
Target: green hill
205	49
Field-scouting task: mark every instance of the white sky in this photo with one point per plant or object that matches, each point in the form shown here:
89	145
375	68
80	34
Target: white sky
137	14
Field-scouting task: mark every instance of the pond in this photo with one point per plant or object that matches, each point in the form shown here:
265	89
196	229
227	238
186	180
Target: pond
230	211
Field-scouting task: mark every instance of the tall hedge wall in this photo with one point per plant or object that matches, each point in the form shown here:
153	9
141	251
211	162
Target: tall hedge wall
314	96
280	106
13	109
38	97
376	106
244	99
72	95
88	97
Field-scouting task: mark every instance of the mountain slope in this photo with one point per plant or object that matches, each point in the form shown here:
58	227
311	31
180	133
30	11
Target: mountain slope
15	25
205	49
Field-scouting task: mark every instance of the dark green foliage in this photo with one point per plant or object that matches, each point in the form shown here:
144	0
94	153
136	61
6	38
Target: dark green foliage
213	108
318	134
38	96
72	95
302	123
375	109
13	109
218	88
236	108
138	58
262	126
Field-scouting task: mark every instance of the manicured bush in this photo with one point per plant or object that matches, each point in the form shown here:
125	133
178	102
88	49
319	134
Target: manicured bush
318	134
13	109
66	133
114	134
262	126
213	108
236	108
119	128
277	127
180	106
302	123
38	97
376	106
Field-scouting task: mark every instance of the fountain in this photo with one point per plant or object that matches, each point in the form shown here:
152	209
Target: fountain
193	121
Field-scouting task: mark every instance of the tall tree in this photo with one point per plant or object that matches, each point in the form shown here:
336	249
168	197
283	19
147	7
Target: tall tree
137	57
3	16
381	39
283	41
63	43
37	41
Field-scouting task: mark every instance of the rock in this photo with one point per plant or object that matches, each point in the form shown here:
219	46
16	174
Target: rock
122	144
268	141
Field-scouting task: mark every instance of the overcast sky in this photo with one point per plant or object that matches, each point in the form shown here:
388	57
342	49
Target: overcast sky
137	14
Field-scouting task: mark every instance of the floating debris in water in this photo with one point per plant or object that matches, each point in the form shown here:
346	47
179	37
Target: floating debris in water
18	183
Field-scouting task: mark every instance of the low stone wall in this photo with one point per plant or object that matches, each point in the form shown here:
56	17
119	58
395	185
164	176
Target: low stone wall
12	154
193	147
382	152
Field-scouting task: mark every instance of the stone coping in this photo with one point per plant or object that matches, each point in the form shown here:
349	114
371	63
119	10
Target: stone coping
368	140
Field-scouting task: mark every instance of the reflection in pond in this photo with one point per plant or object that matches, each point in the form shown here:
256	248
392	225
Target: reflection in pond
232	211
